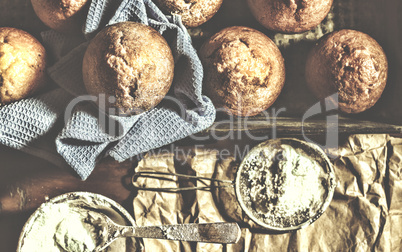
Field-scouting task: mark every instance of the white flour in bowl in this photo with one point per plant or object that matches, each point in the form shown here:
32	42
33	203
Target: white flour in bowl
285	187
67	225
60	227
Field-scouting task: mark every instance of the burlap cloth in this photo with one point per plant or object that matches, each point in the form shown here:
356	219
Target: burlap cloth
365	214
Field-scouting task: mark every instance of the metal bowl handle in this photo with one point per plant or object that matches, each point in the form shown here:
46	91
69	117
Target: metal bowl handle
168	176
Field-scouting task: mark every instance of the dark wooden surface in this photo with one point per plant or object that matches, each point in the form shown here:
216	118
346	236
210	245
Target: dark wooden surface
291	126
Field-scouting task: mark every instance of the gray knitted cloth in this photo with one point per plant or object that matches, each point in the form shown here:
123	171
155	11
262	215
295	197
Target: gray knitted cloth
82	134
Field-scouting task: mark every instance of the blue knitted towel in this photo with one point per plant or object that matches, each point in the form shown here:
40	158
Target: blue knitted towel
81	136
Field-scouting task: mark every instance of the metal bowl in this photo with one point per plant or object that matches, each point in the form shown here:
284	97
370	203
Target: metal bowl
309	150
104	205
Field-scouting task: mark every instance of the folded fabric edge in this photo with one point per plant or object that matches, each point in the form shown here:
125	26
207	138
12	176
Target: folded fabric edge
119	158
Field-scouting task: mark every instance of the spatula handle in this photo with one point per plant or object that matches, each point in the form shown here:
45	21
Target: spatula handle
204	232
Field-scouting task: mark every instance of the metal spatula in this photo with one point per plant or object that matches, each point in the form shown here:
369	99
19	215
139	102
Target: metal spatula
195	232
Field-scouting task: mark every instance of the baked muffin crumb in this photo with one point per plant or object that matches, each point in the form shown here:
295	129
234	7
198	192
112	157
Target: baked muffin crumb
22	65
350	63
290	16
244	70
65	16
132	64
193	12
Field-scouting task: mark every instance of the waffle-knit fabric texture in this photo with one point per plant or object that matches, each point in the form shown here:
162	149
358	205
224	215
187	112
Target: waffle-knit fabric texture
85	136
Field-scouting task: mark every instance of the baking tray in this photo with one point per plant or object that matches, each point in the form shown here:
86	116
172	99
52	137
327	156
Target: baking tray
378	18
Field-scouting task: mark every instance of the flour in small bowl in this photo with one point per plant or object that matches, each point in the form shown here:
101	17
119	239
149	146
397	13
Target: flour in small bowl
65	224
284	187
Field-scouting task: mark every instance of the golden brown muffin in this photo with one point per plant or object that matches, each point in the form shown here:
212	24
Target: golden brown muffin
22	65
130	62
193	12
290	16
351	63
65	16
244	71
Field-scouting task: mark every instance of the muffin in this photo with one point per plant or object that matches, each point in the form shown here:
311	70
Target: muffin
193	12
22	65
131	64
293	16
351	63
244	71
65	16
